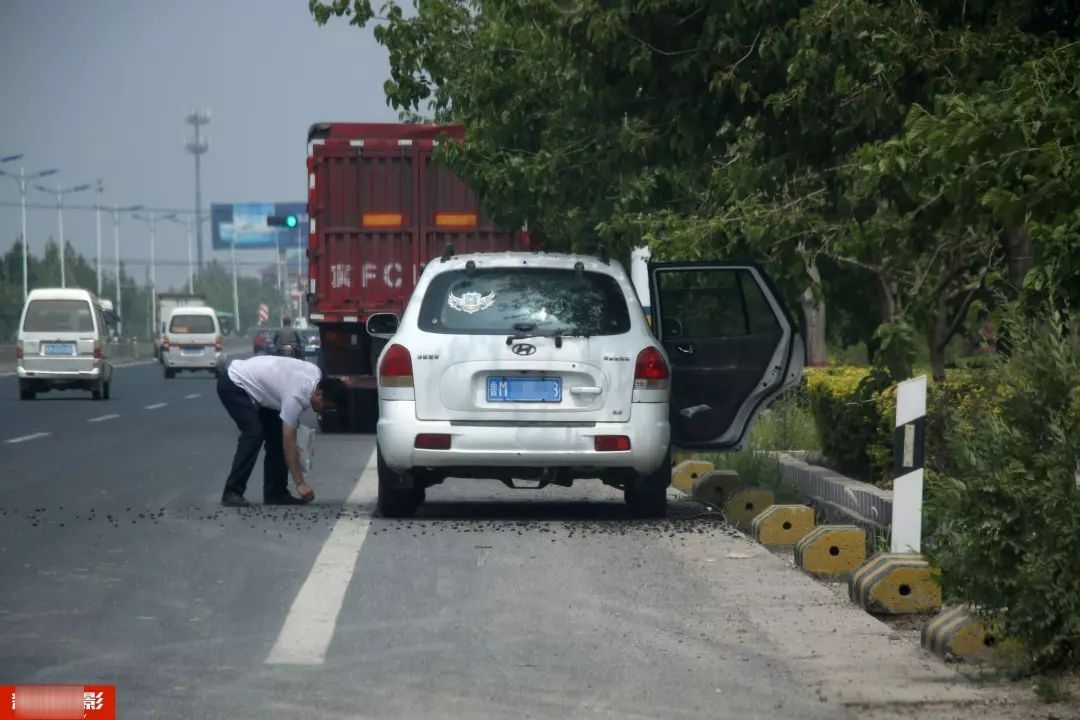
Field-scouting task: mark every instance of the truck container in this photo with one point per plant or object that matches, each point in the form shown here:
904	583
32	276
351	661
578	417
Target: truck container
379	208
166	303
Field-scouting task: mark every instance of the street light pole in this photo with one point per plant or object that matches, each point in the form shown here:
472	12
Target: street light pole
22	179
59	193
149	217
171	217
116	210
97	219
235	294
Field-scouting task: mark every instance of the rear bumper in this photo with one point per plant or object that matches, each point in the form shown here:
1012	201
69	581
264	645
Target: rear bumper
206	361
525	445
62	376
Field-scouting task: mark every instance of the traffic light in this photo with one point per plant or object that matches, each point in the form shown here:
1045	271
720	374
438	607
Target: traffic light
288	221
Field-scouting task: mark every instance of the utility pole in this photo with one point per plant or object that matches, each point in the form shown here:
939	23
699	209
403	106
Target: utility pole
186	224
22	179
198	146
235	295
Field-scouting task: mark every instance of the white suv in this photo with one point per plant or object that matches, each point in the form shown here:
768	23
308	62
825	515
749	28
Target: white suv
543	368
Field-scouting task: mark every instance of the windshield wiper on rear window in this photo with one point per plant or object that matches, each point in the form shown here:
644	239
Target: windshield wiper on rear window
524	331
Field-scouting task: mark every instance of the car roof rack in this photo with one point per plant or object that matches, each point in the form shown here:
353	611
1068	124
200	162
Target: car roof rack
448	252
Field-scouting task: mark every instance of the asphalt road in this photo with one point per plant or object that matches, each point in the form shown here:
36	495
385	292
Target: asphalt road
118	566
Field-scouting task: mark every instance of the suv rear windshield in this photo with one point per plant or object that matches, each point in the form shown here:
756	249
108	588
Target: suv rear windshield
192	325
58	316
543	301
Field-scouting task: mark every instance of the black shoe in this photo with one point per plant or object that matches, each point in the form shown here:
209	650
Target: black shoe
232	499
283	499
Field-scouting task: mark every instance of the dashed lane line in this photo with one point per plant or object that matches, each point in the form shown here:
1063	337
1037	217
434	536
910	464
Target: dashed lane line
192	396
103	418
155	406
24	438
309	626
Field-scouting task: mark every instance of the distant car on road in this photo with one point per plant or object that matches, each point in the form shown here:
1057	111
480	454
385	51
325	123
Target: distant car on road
312	344
263	342
542	367
63	344
192	341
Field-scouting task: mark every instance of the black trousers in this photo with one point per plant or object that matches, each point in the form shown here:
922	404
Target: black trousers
258	426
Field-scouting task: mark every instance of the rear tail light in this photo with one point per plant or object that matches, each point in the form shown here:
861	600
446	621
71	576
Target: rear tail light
396	368
432	441
217	343
97	349
611	443
19	350
165	341
651	371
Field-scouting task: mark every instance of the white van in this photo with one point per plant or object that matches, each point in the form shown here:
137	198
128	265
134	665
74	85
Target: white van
192	341
63	344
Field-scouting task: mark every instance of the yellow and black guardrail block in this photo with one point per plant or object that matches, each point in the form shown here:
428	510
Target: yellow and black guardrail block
783	525
685	473
746	504
831	552
956	633
714	488
896	584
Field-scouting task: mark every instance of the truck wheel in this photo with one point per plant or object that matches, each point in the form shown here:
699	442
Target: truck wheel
647	494
98	390
394	500
26	391
106	389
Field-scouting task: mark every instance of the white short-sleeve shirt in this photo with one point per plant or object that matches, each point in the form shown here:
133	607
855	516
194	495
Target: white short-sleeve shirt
277	383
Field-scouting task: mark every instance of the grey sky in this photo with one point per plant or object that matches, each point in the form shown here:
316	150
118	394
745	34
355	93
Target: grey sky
99	88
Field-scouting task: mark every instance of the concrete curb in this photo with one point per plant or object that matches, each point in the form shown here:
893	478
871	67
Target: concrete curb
783	525
955	633
896	584
746	504
831	552
857	502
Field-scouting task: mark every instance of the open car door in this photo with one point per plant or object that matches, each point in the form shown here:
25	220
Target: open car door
732	345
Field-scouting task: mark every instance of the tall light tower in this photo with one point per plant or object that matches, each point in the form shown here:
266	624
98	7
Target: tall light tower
198	146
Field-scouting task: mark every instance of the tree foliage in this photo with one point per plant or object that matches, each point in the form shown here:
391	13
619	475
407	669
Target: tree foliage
922	143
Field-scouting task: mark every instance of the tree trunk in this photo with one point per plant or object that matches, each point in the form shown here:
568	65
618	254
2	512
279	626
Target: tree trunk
1021	254
813	309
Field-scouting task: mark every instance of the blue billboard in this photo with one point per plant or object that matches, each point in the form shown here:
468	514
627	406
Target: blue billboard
245	224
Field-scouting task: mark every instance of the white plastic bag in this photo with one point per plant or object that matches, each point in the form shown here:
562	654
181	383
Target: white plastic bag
305	444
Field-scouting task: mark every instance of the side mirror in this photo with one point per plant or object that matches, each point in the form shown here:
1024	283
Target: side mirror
382	325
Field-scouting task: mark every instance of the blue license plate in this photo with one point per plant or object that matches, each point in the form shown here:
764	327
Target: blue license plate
191	351
524	389
59	349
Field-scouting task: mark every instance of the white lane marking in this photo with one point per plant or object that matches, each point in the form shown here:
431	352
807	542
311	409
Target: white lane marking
24	438
192	396
309	626
103	418
155	406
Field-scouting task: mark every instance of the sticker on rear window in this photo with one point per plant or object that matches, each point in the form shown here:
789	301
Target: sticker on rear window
471	302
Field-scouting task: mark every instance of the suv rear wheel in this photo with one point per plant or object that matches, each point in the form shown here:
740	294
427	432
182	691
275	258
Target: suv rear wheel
647	494
396	501
26	390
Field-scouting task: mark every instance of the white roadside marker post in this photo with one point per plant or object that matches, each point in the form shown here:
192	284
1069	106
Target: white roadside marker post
908	459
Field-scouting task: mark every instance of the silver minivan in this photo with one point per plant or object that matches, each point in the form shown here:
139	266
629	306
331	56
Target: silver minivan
192	341
63	344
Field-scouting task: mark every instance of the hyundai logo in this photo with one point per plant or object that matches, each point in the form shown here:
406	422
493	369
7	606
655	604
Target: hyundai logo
524	349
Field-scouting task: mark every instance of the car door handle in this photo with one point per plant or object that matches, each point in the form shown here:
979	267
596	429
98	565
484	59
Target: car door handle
586	390
685	349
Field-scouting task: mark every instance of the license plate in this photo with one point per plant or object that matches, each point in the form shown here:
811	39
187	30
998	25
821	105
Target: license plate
191	351
59	349
524	390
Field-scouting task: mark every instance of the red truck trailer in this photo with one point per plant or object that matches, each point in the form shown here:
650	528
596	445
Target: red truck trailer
379	209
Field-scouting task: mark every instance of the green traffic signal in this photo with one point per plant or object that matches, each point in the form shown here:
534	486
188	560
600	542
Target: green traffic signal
290	221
